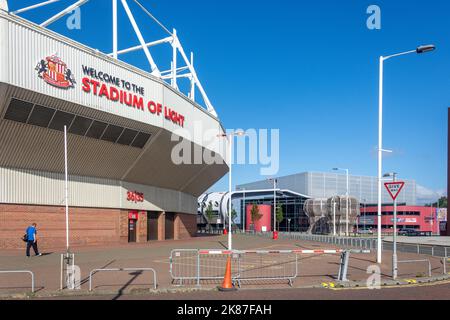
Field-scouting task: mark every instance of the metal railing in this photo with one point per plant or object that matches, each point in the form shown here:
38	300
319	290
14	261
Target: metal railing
364	243
346	242
267	266
418	248
21	271
445	261
189	266
155	284
416	261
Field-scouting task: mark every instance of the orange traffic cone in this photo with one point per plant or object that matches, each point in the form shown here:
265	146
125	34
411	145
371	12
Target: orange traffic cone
227	284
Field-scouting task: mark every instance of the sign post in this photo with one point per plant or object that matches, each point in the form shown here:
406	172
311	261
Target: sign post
394	188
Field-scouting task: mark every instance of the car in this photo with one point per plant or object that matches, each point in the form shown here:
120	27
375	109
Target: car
409	232
365	231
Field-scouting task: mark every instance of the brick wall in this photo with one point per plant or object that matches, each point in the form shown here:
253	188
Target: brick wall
87	226
123	229
185	226
162	227
142	227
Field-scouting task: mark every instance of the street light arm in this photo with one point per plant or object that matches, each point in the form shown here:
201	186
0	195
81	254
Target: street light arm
398	54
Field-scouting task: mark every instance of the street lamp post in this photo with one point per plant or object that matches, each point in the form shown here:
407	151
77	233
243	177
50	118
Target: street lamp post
230	159
347	203
244	216
274	204
334	216
419	50
394	250
364	206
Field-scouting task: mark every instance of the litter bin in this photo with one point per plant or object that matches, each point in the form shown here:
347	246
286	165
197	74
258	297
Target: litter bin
225	231
275	235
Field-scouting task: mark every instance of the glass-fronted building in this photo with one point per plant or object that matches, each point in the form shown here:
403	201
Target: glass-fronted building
329	184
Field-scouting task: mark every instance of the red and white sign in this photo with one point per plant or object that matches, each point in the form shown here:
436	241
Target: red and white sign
134	196
394	188
133	215
54	71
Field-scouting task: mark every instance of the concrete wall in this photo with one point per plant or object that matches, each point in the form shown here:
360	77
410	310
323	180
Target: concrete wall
19	186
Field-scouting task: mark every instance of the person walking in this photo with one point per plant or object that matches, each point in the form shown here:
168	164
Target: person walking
32	240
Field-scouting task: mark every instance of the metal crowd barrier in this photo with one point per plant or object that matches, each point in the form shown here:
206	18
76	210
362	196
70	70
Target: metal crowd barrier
365	243
347	242
22	271
155	284
267	266
416	261
195	266
445	261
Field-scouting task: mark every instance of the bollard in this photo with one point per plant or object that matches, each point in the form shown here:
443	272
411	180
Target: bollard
275	235
343	267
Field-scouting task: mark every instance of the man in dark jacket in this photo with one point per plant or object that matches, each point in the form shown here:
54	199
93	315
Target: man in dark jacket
32	240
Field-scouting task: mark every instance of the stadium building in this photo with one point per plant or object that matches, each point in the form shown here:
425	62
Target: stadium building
123	184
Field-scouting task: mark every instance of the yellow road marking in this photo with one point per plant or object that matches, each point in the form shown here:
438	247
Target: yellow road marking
417	285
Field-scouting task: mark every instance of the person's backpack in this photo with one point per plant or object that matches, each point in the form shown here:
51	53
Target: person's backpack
25	238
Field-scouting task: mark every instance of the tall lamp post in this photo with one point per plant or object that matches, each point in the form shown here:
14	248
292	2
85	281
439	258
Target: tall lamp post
274	204
346	195
419	50
394	250
364	219
230	137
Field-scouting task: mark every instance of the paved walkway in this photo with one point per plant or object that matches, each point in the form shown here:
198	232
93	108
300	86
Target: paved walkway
436	241
313	269
426	292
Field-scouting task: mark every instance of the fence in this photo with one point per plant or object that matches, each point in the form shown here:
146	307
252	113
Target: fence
155	284
21	271
195	266
416	261
365	243
347	242
417	248
445	261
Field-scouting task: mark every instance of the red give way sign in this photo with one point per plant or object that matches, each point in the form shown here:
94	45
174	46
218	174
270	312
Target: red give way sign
394	188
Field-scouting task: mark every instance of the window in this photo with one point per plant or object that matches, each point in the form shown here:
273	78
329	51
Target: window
46	117
112	133
41	116
96	130
80	126
127	137
18	110
141	140
60	120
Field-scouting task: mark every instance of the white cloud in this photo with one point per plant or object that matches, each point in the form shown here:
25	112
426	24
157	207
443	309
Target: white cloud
426	196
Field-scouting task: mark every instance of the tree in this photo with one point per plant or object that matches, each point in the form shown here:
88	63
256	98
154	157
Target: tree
209	213
279	215
441	203
254	213
233	215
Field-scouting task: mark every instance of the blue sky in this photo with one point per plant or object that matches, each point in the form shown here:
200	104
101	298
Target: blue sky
310	69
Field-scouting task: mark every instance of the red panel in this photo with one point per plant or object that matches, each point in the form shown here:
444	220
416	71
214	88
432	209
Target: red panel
426	220
265	221
133	215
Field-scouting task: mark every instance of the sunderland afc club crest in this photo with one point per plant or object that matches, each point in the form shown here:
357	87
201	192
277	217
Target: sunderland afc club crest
55	72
